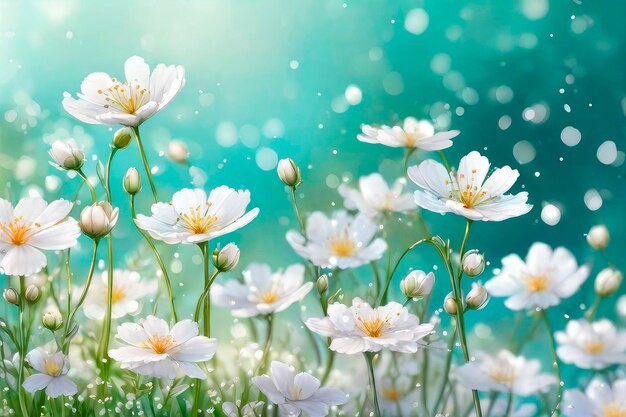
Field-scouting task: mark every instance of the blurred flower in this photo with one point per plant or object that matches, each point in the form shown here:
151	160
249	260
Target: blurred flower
477	298
361	328
297	393
129	290
105	100
132	181
500	406
397	395
32	293
227	258
449	304
52	368
469	192
252	409
31	227
155	350
322	284
608	281
98	219
11	296
375	197
596	345
192	218
473	263
177	151
599	399
289	173
66	155
414	133
504	372
262	292
598	237
342	241
542	281
417	284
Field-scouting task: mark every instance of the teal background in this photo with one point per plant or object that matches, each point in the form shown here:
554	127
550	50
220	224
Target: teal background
237	57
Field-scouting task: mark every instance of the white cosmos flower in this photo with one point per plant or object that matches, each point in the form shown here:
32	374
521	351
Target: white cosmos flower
504	372
546	277
469	191
596	345
106	100
361	328
128	293
262	292
52	377
413	133
153	349
192	218
342	241
297	393
374	196
600	399
31	227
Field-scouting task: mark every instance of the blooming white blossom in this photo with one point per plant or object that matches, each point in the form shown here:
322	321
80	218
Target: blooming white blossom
129	290
106	100
469	191
153	349
52	377
546	277
504	372
361	328
262	292
297	393
342	241
374	196
397	393
413	133
596	345
192	218
599	399
30	228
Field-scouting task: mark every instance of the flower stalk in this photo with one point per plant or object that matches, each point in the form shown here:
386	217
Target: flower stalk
146	165
369	360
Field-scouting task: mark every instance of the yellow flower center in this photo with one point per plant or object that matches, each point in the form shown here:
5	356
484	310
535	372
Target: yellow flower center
342	245
125	97
160	344
295	392
392	394
537	283
594	347
117	294
503	374
17	231
52	367
198	223
614	410
472	194
269	297
411	140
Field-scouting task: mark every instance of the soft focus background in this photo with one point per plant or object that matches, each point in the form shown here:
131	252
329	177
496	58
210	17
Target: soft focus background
535	84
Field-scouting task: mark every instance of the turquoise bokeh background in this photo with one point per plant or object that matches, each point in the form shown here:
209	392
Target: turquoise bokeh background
268	79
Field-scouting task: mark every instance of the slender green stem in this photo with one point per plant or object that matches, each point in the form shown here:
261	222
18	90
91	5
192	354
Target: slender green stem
103	358
207	288
369	357
330	359
146	165
383	297
493	397
207	295
446	371
407	158
294	201
445	160
591	313
555	364
268	342
509	404
424	386
23	348
86	181
107	178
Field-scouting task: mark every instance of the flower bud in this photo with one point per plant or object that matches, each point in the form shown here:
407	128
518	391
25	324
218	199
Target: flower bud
32	294
52	320
598	237
132	181
449	304
289	173
66	155
177	151
473	263
417	284
98	220
608	281
477	298
122	138
227	258
11	296
322	284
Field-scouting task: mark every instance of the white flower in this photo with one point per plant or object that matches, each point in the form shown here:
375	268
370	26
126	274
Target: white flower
598	237
504	372
192	218
31	227
128	293
252	409
414	133
66	155
361	328
342	241
374	196
262	292
596	345
469	192
397	395
417	284
600	399
297	393
542	281
98	219
608	281
53	368
155	350
106	100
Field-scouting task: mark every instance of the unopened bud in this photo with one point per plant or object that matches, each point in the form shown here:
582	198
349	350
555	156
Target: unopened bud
98	220
132	181
477	298
289	173
608	281
322	284
417	284
177	151
598	237
66	155
473	263
32	294
122	138
11	296
449	304
52	320
227	258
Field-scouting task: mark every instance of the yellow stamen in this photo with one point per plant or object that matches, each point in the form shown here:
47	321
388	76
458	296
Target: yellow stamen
504	375
198	223
614	410
52	367
269	297
118	294
128	100
537	283
342	244
160	344
392	394
594	347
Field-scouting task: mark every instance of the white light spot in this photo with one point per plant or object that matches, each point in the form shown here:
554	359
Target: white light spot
266	159
524	152
570	136
226	134
504	94
593	199
504	122
393	84
550	214
535	9
294	64
440	64
416	21
607	152
353	94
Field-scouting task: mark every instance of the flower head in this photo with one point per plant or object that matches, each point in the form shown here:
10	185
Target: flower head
598	237
97	220
546	277
191	217
52	377
361	328
374	196
599	399
342	241
30	228
596	345
107	100
66	155
413	133
227	258
417	284
153	349
289	173
469	192
262	291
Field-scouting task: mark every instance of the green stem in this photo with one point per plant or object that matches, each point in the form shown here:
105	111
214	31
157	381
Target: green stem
509	404
86	181
407	158
103	359
424	386
266	349
383	297
297	210
445	160
146	165
207	295
369	356
330	359
591	313
446	371
23	348
107	178
207	288
555	364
